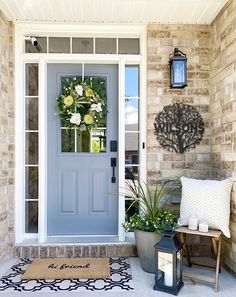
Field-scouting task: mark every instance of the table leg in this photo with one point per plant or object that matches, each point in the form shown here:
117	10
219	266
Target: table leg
218	264
215	248
185	247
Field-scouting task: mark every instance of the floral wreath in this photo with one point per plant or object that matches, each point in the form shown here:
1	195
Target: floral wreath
82	103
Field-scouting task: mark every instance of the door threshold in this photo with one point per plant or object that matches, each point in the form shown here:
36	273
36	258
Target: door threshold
83	239
80	240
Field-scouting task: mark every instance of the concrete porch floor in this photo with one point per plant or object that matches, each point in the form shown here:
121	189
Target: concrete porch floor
143	283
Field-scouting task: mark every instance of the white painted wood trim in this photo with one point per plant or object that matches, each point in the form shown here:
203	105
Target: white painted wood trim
73	30
80	58
19	141
43	60
143	107
121	152
42	206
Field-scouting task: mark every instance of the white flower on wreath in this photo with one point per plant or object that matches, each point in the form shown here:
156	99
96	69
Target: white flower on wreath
79	90
96	107
75	119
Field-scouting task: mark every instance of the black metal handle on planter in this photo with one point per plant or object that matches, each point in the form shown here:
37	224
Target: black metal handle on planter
113	165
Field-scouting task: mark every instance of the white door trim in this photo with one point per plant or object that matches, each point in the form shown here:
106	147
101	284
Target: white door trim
43	60
42	223
121	146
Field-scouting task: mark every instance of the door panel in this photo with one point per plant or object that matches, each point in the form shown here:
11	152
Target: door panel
68	184
82	200
98	191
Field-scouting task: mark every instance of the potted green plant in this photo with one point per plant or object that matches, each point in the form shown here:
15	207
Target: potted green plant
150	220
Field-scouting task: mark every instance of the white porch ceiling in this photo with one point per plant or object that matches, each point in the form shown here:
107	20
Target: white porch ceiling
113	11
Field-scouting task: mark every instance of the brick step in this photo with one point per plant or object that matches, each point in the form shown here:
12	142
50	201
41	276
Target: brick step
75	250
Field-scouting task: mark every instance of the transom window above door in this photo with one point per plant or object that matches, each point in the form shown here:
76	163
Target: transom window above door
82	45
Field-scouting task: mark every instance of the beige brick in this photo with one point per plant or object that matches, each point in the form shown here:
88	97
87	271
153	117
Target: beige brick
69	251
7	147
78	251
61	252
44	251
85	251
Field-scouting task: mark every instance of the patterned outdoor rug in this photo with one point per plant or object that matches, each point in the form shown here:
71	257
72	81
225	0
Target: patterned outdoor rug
120	280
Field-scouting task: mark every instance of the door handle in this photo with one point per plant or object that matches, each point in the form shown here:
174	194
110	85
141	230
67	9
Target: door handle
113	165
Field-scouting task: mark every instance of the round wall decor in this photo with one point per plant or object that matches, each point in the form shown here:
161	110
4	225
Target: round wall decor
179	127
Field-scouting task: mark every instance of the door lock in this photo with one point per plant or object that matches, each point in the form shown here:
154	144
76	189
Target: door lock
113	145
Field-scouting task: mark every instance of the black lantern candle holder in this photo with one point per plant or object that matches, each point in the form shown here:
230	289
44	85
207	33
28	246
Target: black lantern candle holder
178	69
168	264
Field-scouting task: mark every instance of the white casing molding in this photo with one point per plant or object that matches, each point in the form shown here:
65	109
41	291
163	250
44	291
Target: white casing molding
22	58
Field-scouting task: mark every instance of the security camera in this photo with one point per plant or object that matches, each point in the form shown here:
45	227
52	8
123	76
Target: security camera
34	41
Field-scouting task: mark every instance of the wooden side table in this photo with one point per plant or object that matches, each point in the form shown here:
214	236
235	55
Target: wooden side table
216	241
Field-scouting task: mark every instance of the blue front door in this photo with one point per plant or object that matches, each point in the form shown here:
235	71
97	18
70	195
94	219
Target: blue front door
82	199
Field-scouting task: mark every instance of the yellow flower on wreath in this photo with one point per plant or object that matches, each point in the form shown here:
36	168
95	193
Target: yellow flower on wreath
68	100
89	93
88	119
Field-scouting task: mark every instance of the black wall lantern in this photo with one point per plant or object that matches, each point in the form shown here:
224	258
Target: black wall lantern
168	264
178	69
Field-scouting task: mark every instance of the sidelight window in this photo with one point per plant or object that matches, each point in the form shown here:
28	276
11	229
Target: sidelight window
31	148
132	131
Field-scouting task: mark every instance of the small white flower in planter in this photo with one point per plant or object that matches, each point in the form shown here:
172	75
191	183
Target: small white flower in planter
75	119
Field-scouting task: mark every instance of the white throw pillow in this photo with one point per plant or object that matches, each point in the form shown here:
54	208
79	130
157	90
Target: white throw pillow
209	200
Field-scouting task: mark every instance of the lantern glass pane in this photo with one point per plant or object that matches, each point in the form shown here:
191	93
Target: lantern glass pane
159	275
179	72
165	264
178	267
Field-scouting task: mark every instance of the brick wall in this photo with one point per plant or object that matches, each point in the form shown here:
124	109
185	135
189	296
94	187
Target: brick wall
211	52
194	41
223	106
6	139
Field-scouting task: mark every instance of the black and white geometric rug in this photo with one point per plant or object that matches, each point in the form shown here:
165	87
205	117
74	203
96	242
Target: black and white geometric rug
120	280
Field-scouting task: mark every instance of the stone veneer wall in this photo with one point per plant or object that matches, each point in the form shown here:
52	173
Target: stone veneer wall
194	40
7	132
223	105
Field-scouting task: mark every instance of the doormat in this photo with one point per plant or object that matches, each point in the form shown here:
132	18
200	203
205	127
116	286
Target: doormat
68	268
120	280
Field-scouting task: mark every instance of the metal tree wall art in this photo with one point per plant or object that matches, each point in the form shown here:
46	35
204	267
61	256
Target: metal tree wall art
179	127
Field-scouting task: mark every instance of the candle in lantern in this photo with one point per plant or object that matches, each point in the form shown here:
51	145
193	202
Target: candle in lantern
193	222
168	270
165	264
203	227
168	275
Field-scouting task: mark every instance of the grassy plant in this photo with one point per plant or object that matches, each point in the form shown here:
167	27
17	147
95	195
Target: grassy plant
151	216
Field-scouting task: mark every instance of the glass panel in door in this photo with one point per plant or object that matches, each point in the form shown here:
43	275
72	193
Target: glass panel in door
82	139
